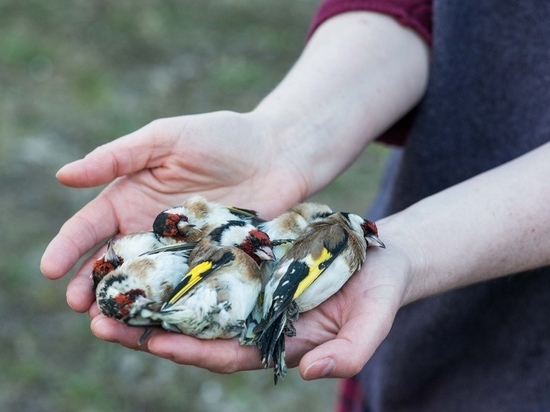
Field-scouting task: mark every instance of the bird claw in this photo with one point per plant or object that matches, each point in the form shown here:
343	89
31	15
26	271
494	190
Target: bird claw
289	329
145	336
293	312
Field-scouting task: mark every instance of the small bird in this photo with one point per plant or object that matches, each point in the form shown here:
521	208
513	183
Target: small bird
282	231
221	286
317	265
145	280
198	217
124	248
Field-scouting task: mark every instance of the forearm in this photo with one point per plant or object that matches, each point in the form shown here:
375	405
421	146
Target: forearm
359	73
495	224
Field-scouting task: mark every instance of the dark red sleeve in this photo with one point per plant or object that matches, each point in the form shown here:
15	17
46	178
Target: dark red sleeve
416	14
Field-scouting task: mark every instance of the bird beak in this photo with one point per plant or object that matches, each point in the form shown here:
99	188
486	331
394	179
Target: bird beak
143	301
265	253
184	225
375	241
110	255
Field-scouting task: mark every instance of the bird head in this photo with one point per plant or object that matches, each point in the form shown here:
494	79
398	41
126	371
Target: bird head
107	263
118	300
246	237
173	223
258	245
361	226
370	231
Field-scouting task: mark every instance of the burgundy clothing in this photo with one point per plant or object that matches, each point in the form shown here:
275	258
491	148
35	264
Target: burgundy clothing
484	347
416	14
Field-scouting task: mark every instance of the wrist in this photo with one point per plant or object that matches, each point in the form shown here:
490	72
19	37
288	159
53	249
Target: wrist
297	147
401	237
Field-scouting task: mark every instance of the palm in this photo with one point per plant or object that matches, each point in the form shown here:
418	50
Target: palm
225	161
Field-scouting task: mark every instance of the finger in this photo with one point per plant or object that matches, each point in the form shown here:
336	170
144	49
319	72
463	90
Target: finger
91	225
80	295
216	355
113	331
93	310
131	153
354	345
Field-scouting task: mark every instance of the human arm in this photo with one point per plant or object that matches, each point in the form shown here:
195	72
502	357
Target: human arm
359	73
495	224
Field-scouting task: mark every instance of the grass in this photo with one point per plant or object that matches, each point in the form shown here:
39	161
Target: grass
76	74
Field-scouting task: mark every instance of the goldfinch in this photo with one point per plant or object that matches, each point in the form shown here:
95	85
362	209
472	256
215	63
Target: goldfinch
221	287
316	266
124	248
283	230
145	280
199	216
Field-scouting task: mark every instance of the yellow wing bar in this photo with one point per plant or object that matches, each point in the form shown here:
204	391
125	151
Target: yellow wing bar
315	268
192	277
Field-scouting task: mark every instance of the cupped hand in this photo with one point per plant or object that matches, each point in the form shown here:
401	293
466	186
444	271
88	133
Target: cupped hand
224	156
335	339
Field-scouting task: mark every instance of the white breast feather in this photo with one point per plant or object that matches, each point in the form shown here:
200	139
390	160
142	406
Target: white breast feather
326	285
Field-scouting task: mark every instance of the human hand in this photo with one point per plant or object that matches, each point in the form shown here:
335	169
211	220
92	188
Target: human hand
335	339
224	156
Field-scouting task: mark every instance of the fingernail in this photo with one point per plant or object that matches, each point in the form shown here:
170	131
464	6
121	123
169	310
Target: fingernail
319	369
64	167
60	170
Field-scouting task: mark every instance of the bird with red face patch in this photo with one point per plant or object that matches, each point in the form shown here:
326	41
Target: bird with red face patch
317	265
283	230
144	280
222	284
126	247
196	217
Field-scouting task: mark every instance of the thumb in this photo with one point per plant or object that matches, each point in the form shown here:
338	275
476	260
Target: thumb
144	148
345	355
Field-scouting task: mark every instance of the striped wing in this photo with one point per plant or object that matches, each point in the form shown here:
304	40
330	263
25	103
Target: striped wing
197	274
301	274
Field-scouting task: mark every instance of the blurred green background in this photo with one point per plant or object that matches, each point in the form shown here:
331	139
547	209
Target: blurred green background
74	75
